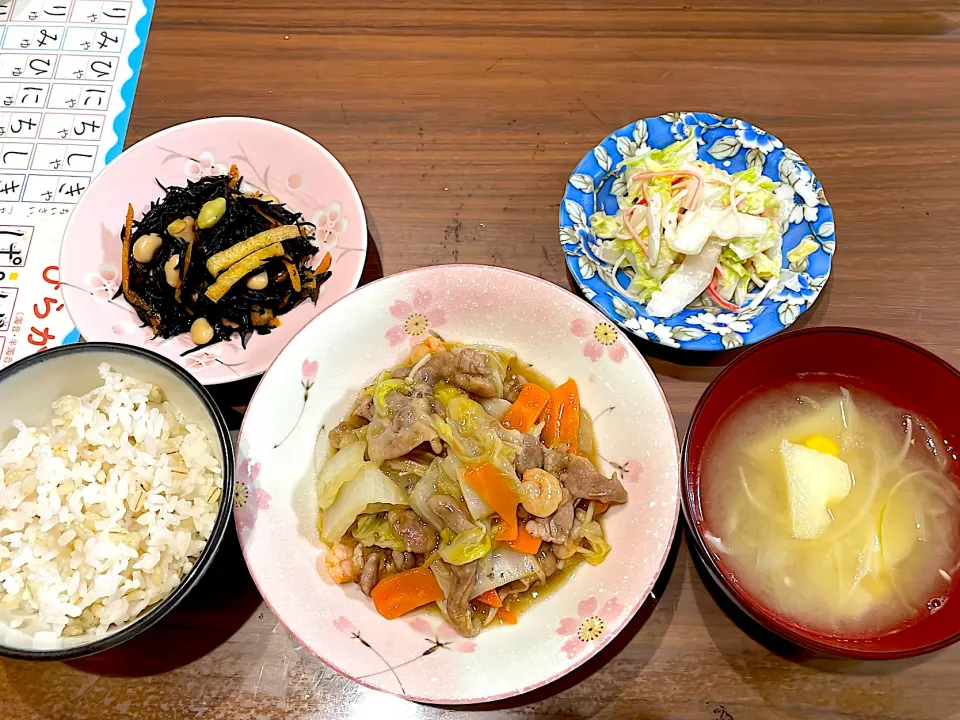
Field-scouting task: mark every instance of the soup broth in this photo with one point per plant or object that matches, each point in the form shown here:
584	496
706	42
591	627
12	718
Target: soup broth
833	507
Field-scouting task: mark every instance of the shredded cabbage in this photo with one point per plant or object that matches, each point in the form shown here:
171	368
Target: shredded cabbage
605	226
743	248
764	266
445	393
408	465
674	154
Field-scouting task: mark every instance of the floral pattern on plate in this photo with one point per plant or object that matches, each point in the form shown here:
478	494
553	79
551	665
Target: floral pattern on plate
248	496
417	319
589	625
602	339
732	145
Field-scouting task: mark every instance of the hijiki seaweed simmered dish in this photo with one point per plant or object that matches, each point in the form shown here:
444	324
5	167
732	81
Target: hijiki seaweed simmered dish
463	478
212	260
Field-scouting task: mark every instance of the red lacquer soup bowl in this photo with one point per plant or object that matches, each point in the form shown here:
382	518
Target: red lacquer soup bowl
905	374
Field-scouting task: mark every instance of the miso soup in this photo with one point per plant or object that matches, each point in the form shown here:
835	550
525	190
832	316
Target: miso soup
833	507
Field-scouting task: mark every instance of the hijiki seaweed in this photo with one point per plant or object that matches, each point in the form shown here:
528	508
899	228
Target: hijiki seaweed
262	267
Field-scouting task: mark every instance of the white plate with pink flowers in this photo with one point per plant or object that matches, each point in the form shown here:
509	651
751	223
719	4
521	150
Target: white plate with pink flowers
273	159
311	386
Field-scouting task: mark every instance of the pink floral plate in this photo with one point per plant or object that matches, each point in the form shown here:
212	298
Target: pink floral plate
272	158
313	382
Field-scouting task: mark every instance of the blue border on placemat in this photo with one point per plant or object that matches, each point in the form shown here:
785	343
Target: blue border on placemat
122	121
135	60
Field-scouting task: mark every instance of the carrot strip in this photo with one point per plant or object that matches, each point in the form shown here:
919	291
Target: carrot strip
132	297
127	237
399	594
294	274
507	617
183	270
525	542
324	264
492	487
523	414
562	418
272	221
491	598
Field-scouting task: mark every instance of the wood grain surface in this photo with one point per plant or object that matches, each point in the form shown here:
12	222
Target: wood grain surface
460	122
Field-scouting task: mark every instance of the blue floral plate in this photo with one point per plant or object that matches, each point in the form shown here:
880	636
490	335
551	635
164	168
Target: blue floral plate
732	145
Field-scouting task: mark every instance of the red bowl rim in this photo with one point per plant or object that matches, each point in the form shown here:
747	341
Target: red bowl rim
736	595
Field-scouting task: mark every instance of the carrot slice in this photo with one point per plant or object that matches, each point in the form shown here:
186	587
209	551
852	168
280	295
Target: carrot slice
491	598
525	542
562	417
399	594
523	414
492	487
506	616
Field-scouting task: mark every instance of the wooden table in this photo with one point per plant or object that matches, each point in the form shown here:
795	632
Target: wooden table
460	122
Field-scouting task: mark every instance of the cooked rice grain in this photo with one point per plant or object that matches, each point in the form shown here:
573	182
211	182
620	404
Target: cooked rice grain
104	512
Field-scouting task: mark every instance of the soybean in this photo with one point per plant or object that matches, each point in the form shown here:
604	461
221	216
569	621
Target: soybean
258	281
145	248
201	332
211	212
171	272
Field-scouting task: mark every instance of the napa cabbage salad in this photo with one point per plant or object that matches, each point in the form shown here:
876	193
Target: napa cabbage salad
686	229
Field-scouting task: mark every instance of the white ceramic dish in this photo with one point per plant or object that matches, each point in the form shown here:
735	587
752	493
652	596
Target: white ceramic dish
310	386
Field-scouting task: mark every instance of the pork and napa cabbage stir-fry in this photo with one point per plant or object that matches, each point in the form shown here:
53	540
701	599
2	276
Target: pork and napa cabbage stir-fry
464	479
